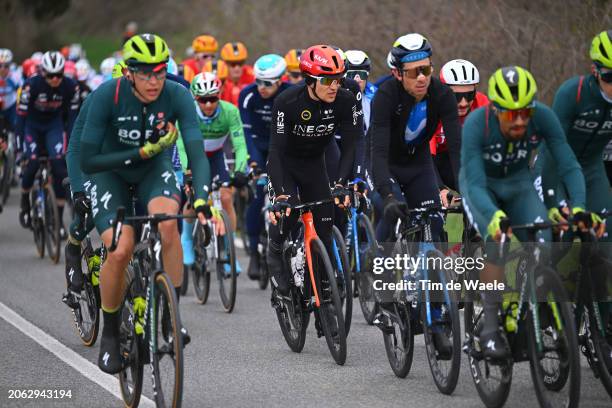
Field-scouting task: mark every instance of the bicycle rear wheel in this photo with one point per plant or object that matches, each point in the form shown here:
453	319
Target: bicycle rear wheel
330	309
38	223
444	368
6	176
167	358
553	349
226	265
398	336
52	225
131	377
366	251
201	272
343	277
87	315
293	320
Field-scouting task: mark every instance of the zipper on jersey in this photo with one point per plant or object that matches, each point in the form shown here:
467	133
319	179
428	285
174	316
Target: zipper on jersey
509	150
143	125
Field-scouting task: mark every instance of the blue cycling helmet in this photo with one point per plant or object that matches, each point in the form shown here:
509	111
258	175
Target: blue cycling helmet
270	67
409	48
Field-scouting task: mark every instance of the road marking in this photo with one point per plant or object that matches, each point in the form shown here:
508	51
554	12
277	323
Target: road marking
73	359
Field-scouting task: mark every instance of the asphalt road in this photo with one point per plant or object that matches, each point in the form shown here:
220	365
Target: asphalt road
234	360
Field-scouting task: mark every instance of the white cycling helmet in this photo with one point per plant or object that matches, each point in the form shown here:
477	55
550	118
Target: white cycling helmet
205	84
390	60
459	72
107	65
6	56
357	60
83	70
53	62
270	67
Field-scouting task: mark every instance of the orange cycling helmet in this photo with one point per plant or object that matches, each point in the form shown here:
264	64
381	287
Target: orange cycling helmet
321	60
292	58
218	67
205	43
234	52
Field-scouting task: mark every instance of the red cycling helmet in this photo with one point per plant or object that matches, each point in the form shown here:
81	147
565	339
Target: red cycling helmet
321	60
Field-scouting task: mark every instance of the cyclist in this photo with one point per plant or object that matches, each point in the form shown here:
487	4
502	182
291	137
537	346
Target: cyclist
8	87
83	74
405	113
499	141
292	58
584	107
391	66
204	48
255	103
44	103
235	54
116	152
217	120
358	67
463	78
305	120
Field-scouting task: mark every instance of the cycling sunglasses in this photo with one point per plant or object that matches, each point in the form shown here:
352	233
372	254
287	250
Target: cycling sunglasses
266	83
5	65
469	96
605	76
511	115
207	99
235	64
330	80
414	73
362	74
55	76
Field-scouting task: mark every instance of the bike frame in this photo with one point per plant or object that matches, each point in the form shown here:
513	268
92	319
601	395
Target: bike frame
309	234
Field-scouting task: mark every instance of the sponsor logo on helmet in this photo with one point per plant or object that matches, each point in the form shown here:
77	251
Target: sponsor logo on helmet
306	115
322	60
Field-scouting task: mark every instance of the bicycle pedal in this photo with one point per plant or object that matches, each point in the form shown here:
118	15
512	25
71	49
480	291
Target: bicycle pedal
70	300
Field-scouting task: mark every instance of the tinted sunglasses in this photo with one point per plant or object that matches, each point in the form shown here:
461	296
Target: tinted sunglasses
330	80
605	76
362	74
509	115
469	96
147	76
57	75
235	64
5	65
266	83
207	99
204	56
414	73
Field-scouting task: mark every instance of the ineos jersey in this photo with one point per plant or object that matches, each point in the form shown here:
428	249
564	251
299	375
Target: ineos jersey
302	128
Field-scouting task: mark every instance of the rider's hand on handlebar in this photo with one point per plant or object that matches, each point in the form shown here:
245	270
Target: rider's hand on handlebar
494	228
281	207
586	220
167	136
82	205
341	196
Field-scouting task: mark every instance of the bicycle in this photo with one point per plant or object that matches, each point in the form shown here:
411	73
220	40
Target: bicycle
317	293
150	329
259	178
44	213
216	253
425	305
539	325
340	261
7	164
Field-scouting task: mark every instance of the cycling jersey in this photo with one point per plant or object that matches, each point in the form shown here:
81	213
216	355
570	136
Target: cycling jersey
230	91
495	171
383	79
42	104
394	138
118	124
8	98
256	115
215	130
302	128
366	102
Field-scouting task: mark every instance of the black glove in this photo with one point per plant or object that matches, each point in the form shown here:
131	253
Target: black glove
240	179
200	206
585	217
393	209
81	203
280	206
340	192
362	186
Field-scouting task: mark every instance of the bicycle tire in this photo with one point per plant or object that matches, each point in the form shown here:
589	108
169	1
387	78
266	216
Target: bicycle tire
52	225
264	272
493	396
131	377
165	306
330	308
185	284
38	227
88	306
240	205
5	180
399	341
293	320
226	254
605	376
446	383
364	279
547	285
201	273
346	292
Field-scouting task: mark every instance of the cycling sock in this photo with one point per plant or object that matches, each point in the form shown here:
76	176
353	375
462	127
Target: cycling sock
111	322
110	311
491	300
187	243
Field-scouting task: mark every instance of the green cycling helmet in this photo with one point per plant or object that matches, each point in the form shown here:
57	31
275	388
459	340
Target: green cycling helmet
601	49
149	49
512	88
118	69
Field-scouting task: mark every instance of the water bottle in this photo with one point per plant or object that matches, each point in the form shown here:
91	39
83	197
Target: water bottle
297	266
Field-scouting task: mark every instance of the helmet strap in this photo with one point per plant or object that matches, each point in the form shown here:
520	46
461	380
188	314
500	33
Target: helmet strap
136	91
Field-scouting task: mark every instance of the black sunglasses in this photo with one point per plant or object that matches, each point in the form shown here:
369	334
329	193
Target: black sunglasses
469	96
206	99
57	75
605	76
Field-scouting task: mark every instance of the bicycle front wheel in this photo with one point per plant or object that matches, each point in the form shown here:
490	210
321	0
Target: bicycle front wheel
52	225
330	308
364	279
553	344
226	265
343	277
167	358
38	223
201	272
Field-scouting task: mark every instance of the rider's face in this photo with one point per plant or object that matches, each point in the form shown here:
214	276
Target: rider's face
463	104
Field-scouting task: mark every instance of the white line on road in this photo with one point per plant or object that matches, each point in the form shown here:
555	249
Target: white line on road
73	359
